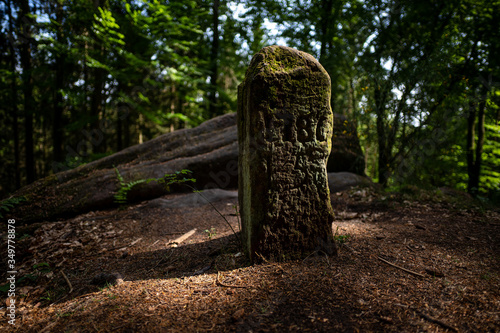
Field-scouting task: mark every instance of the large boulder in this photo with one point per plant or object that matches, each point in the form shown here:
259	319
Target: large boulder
342	181
209	150
346	152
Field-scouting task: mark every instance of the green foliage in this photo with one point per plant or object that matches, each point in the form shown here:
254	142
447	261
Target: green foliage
340	239
42	268
125	187
178	177
37	271
169	179
211	233
408	73
490	178
7	204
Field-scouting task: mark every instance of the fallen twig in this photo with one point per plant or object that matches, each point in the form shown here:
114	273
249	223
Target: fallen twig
436	321
181	239
67	281
49	326
219	283
135	242
203	270
402	268
428	318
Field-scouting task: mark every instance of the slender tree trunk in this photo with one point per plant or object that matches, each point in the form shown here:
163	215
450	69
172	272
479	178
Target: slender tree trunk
119	125
384	152
96	98
57	130
475	151
25	52
140	125
15	110
126	131
471	124
213	108
96	105
325	19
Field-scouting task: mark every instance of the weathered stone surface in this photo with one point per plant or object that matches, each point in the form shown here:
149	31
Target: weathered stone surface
284	132
341	181
192	200
346	152
209	150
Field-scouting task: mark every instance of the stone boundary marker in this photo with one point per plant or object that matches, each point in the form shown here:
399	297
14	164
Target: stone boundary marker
285	124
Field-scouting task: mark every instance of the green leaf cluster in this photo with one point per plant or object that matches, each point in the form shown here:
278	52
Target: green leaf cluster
8	204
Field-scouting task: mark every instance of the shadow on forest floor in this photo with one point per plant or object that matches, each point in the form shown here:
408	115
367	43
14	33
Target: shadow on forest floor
449	254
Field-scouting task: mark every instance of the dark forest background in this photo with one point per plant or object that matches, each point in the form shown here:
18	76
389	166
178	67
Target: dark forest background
82	79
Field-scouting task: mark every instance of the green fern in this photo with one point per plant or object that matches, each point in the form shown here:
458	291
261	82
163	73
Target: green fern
125	187
178	177
7	204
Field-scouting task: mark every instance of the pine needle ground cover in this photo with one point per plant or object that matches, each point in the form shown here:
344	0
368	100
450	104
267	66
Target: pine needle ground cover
403	266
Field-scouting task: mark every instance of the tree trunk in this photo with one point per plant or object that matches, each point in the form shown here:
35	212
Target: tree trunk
325	20
57	130
96	105
213	108
25	22
119	132
475	149
15	110
384	152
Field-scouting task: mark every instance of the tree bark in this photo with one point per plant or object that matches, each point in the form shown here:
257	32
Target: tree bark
326	15
475	148
384	153
57	131
15	110
213	108
96	104
25	22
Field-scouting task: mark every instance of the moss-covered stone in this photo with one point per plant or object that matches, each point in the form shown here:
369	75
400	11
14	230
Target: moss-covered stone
285	125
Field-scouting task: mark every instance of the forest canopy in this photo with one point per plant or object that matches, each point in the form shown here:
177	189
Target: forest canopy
84	79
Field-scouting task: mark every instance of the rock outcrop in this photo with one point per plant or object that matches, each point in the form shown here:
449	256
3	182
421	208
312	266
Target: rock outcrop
209	150
346	152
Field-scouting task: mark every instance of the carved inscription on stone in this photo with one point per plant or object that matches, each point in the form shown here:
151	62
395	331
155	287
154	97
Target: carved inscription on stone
285	125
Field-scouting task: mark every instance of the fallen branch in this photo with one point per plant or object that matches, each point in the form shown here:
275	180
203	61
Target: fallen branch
401	268
219	283
428	318
181	239
436	321
67	281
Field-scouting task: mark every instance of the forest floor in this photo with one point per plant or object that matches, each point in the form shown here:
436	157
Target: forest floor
422	263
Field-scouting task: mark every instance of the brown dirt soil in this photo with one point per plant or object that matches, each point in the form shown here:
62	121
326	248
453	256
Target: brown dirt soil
445	278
